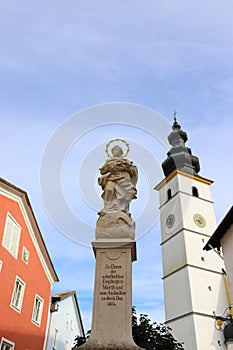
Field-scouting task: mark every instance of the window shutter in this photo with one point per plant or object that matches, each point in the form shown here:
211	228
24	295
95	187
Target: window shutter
15	240
11	236
8	233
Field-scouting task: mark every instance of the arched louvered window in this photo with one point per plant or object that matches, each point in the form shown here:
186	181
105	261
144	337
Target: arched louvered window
169	194
195	191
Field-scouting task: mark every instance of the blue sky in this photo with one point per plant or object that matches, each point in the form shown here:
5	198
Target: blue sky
60	58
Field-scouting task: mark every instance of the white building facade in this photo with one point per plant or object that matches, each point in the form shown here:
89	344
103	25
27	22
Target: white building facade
65	322
222	242
193	280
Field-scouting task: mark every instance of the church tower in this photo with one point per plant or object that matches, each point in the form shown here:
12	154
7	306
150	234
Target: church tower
192	278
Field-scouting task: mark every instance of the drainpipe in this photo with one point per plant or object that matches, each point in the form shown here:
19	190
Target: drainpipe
228	293
228	329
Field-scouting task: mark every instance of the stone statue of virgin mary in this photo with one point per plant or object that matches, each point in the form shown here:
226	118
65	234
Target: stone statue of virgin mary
118	180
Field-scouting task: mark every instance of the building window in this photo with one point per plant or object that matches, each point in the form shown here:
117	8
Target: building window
37	310
169	194
55	339
25	255
195	191
18	293
11	235
6	344
66	345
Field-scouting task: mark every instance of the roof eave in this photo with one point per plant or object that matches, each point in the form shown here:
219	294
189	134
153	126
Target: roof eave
223	227
25	199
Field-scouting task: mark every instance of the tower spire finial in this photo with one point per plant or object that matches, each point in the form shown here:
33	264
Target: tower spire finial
176	125
174	115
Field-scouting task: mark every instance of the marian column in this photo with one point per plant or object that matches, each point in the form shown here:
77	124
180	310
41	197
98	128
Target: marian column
115	250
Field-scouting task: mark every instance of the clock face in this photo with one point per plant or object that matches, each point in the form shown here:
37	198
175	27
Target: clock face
170	220
199	220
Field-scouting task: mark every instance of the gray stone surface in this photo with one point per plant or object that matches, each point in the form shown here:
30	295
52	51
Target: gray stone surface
115	249
112	307
118	181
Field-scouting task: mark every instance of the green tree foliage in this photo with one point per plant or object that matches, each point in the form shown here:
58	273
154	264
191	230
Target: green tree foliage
146	334
78	341
152	335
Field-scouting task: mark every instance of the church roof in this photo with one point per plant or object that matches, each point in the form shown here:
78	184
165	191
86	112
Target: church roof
179	157
215	239
64	295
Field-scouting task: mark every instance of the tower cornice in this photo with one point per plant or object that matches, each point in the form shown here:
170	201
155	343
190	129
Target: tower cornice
180	172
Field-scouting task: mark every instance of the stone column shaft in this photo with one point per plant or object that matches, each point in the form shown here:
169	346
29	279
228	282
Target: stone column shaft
112	306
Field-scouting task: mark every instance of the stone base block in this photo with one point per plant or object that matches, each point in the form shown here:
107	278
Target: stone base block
119	346
112	306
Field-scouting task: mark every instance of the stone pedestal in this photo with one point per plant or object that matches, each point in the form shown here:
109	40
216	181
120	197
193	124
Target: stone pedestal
112	307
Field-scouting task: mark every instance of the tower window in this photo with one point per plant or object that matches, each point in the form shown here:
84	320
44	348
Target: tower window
195	191
169	194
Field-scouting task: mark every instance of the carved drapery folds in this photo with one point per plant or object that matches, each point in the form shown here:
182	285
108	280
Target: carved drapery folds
118	181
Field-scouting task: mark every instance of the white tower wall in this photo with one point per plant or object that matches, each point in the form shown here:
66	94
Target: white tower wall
193	280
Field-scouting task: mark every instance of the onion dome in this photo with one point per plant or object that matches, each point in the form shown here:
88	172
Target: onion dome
180	157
